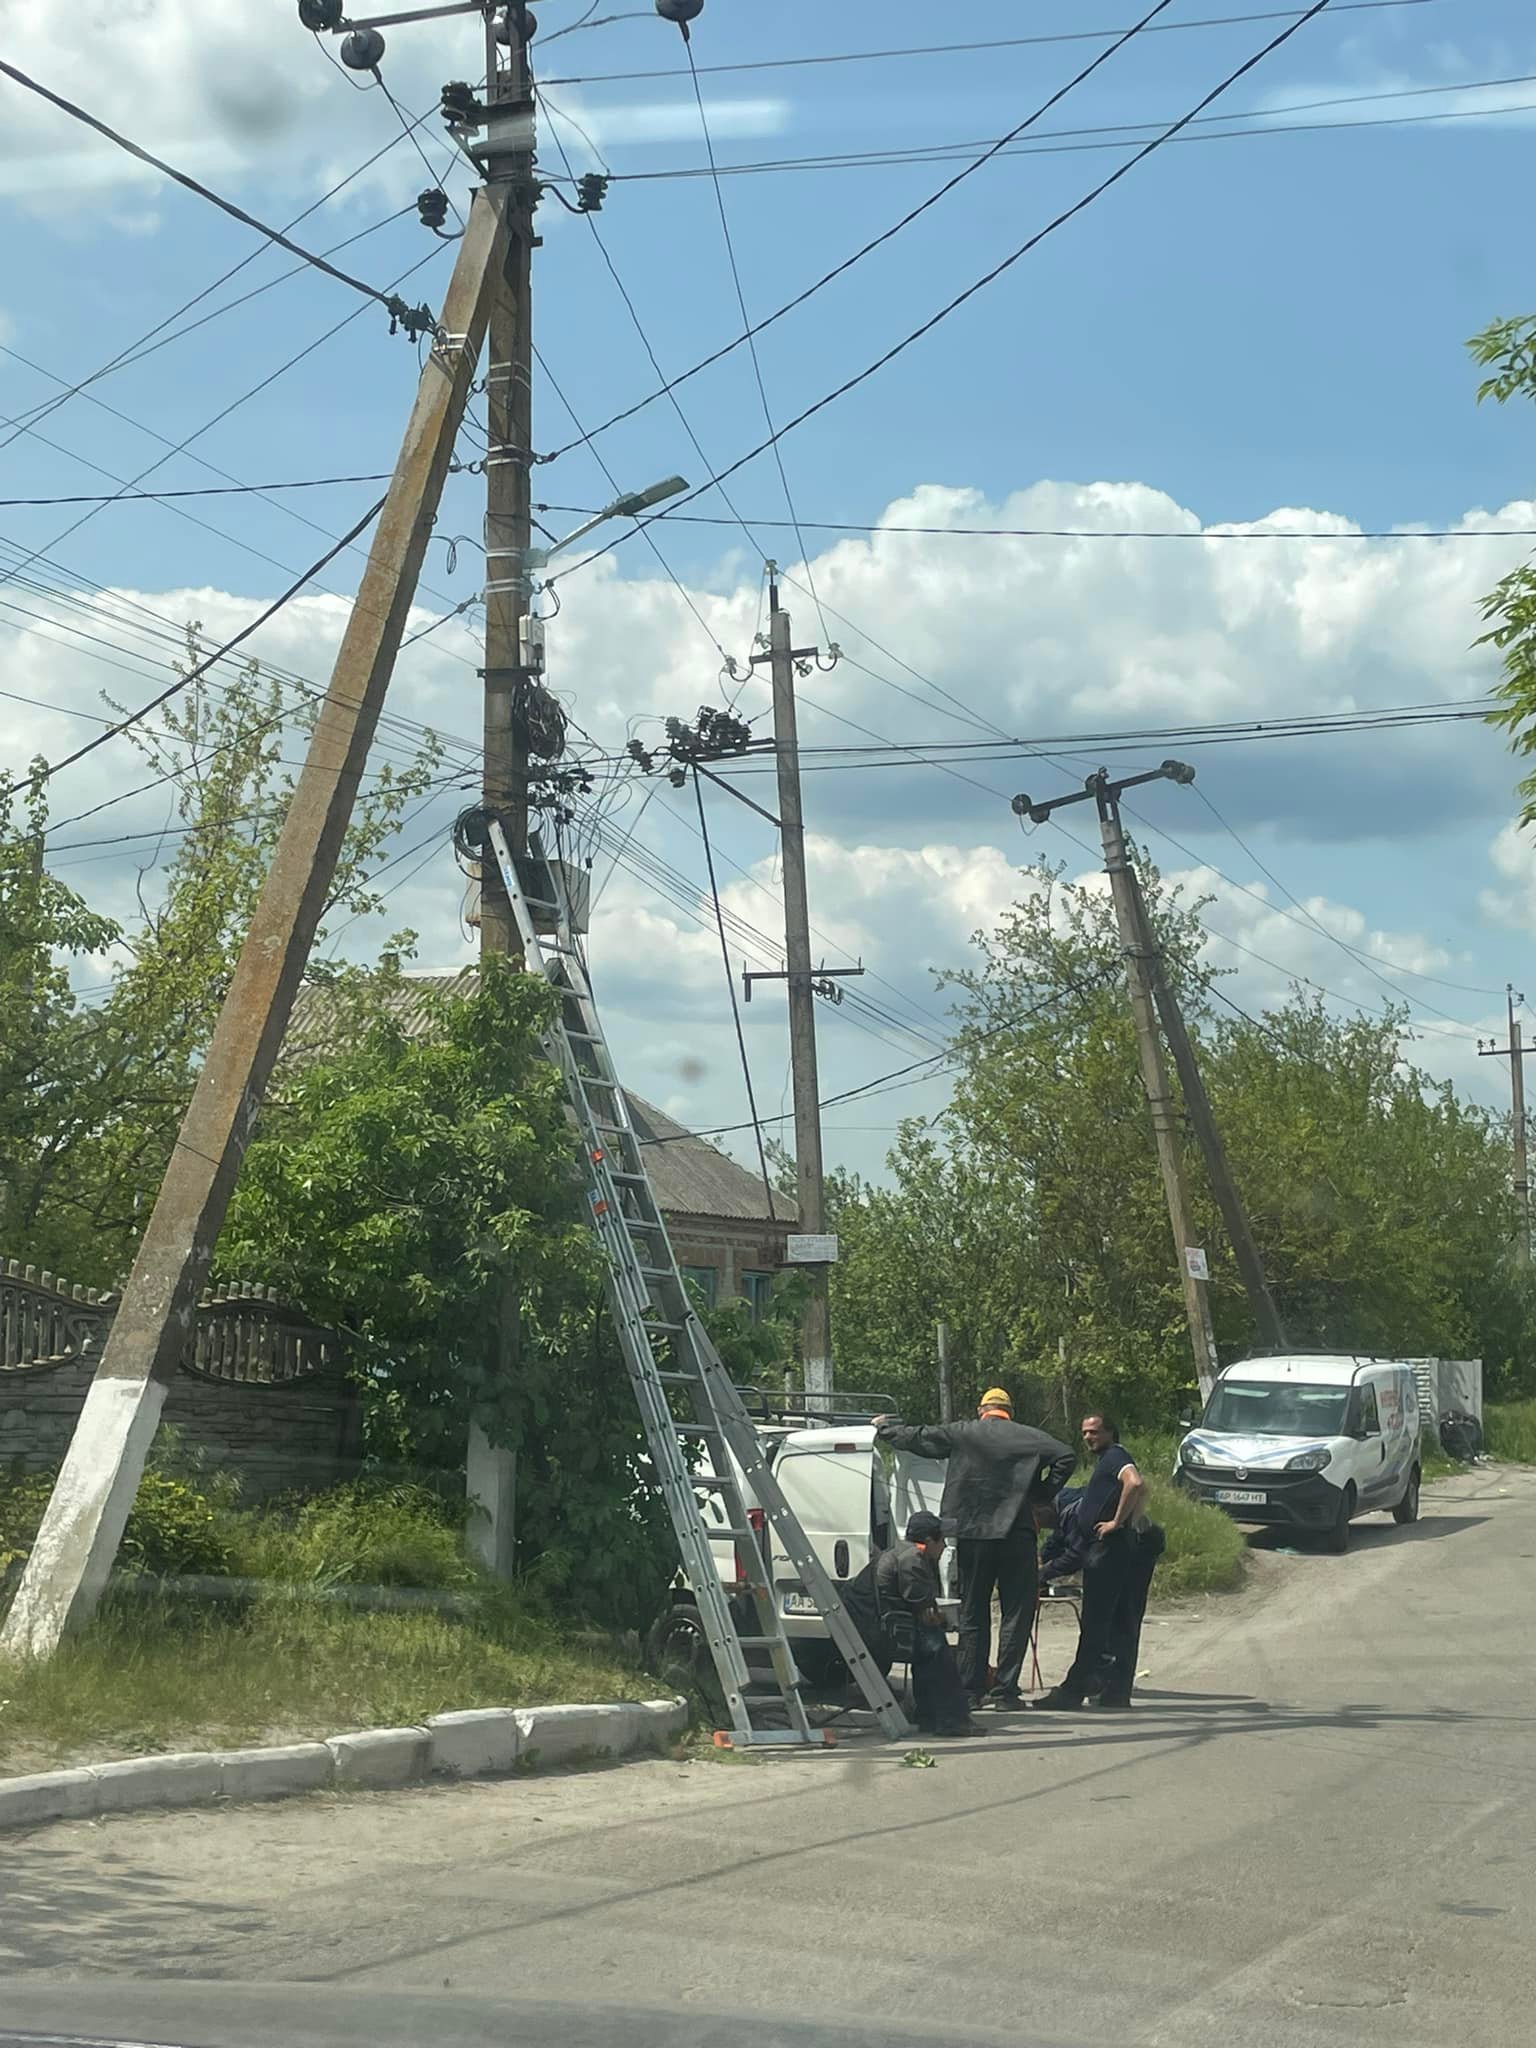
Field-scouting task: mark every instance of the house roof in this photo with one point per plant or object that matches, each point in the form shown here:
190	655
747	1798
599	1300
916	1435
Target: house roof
691	1177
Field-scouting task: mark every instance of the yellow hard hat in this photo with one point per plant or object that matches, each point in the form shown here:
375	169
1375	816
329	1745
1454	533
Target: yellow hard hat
997	1397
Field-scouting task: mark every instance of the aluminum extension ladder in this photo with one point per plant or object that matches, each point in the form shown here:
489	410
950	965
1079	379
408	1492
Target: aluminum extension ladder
670	1358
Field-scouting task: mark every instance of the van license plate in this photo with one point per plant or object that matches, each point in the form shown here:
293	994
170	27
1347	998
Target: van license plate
800	1603
1236	1497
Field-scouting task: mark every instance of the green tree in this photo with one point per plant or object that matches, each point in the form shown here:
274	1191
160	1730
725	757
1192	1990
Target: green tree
98	1142
1507	349
400	1185
44	1052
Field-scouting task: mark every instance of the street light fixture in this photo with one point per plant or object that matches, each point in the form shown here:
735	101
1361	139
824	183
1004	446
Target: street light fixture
626	507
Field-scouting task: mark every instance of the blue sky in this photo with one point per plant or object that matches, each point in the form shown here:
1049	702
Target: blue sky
1244	325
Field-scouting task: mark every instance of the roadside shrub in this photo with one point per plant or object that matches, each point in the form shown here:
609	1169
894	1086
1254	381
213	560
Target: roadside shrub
357	1535
1509	1431
1206	1552
172	1529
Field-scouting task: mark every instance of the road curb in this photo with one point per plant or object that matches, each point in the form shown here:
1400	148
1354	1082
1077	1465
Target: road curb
481	1742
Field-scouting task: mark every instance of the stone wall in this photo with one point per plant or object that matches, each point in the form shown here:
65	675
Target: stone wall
301	1434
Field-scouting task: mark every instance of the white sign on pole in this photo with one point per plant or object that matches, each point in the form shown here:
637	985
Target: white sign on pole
1195	1263
811	1251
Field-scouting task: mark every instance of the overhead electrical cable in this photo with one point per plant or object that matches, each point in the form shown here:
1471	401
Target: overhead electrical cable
1087	35
1121	134
730	984
751	331
1087	532
415	320
199	669
989	277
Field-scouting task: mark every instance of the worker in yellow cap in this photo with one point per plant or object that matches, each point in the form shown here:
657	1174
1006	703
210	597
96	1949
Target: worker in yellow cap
998	1469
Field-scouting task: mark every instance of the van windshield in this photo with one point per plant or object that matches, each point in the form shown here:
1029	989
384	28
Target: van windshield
1277	1408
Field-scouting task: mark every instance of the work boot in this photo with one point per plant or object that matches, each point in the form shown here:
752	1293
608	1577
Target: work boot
959	1728
1004	1697
1058	1702
1113	1703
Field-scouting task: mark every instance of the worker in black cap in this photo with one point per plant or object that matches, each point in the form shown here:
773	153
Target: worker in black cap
908	1589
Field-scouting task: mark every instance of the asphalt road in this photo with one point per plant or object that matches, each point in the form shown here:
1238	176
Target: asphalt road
1317	1827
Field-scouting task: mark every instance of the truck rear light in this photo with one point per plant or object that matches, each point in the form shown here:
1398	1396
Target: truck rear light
757	1521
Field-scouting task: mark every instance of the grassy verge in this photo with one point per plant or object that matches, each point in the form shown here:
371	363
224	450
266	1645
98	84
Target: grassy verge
155	1672
1510	1431
1206	1552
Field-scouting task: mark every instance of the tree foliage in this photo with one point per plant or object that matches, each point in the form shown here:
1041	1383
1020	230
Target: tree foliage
1032	1217
402	1188
1507	349
86	1138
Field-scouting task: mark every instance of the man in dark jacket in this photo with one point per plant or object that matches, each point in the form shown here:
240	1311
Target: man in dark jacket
907	1588
1110	1541
995	1466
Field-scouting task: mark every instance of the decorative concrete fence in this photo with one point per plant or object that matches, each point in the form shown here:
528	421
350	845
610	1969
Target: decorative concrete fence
263	1390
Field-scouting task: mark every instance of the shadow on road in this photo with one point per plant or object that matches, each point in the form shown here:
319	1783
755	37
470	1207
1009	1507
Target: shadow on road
1364	1536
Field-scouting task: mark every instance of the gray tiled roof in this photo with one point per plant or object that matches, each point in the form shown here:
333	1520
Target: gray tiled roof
691	1177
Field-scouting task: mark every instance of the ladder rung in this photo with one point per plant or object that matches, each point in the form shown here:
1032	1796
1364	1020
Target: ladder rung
655	1272
639	1180
681	1379
646	1324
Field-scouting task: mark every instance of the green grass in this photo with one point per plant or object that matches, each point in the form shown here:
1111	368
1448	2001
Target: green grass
1207	1553
1510	1431
153	1672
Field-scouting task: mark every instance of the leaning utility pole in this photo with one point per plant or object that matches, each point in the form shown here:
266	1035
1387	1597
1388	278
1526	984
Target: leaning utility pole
84	1519
1154	1077
1197	1104
1515	1053
1153	997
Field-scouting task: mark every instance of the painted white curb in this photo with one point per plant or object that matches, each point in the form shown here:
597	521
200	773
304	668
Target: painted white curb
483	1742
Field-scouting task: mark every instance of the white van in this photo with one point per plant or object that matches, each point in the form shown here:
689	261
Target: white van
1308	1443
853	1499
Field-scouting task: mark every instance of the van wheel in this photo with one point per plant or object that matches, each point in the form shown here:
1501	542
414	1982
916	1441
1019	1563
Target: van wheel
1407	1509
1337	1538
677	1649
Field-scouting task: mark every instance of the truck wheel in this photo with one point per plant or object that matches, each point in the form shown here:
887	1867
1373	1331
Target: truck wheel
1407	1509
1337	1538
677	1649
819	1663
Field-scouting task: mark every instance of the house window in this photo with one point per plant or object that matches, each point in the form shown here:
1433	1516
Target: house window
757	1287
706	1280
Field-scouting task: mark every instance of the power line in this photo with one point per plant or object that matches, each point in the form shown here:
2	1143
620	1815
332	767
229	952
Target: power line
650	540
1085	532
147	345
746	324
868	248
645	342
1117	134
415	320
967	49
200	669
125	497
1353	952
998	269
881	1083
730	985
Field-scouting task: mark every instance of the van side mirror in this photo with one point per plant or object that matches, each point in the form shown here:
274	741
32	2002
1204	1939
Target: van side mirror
1186	1423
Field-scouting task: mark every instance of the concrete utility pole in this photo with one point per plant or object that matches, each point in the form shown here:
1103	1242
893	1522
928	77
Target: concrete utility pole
946	1385
1160	1102
490	1476
816	1322
1197	1104
1152	996
1515	1053
83	1523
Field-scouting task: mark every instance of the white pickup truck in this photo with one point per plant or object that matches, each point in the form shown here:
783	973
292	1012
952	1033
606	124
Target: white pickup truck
853	1499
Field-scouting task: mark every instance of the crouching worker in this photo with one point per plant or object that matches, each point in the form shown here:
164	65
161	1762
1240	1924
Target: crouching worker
908	1589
